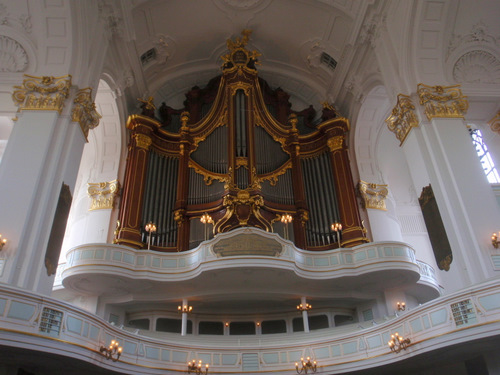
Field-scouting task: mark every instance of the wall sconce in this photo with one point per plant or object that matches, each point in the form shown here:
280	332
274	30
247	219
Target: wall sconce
184	309
3	241
337	228
307	366
197	368
206	219
398	343
401	306
150	228
286	219
305	307
226	324
494	240
113	352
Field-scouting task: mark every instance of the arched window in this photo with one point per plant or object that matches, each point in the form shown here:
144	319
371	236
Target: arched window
484	156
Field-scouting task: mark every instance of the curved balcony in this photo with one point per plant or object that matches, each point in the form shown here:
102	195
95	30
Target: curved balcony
246	264
46	325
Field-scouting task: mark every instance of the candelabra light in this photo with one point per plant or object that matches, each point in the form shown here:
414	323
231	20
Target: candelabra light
184	309
305	366
494	240
197	368
304	307
286	219
398	343
206	219
337	228
3	241
401	306
150	228
113	352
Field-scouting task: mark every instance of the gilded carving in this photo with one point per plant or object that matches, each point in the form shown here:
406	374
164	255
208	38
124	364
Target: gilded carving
442	101
293	121
84	111
373	195
143	141
243	197
241	162
42	93
208	177
102	194
402	118
239	57
273	177
494	123
335	143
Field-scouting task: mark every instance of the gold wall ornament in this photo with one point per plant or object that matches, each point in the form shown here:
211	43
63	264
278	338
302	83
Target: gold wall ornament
335	143
84	111
142	141
373	195
442	101
42	93
494	123
102	194
402	118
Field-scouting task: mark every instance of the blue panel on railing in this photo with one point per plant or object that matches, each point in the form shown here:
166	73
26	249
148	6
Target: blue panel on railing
350	347
270	358
490	302
74	325
438	317
21	311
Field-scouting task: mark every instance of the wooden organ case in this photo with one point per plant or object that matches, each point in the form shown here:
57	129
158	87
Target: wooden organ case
237	153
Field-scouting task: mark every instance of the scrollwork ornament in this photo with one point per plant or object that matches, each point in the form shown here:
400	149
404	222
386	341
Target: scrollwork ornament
494	123
84	111
102	194
402	118
373	195
42	93
442	101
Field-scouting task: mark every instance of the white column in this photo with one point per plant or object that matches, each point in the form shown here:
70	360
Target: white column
305	317
184	317
43	152
440	152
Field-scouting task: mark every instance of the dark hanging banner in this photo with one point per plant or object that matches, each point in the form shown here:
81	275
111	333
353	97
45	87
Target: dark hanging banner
435	228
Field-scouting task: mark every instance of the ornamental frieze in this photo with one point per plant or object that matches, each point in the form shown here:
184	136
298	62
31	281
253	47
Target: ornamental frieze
442	101
42	93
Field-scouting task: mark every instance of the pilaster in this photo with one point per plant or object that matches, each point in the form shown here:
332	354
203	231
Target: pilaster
439	152
43	154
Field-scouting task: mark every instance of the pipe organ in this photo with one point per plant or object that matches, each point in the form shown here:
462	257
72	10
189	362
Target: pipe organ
238	153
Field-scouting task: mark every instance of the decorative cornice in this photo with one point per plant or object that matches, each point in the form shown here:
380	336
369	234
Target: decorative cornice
402	118
42	93
335	143
494	123
442	101
373	195
479	36
103	194
84	111
142	141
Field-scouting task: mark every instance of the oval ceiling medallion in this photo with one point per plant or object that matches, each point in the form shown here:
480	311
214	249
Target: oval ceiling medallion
477	67
13	57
